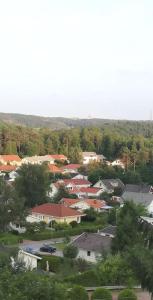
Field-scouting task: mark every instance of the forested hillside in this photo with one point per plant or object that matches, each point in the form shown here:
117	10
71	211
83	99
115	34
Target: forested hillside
121	126
113	141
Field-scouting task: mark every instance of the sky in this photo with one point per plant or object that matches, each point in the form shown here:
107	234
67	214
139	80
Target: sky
77	58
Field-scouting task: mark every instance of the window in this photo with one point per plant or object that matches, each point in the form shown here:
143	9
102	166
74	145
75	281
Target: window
88	253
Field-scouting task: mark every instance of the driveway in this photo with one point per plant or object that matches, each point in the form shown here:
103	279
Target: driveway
35	245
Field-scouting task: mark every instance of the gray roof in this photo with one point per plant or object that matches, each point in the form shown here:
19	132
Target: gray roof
138	198
93	242
138	188
109	230
113	183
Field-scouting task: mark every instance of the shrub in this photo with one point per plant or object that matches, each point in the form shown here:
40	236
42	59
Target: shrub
127	294
74	224
70	251
88	278
101	294
77	293
54	262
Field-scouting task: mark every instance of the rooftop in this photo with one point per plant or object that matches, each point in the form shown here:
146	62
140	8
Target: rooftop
55	210
93	242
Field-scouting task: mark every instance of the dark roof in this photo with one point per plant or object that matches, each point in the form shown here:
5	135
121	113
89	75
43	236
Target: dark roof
138	188
109	230
138	198
93	242
113	183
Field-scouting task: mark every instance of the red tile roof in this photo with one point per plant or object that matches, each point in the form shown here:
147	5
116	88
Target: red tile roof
76	182
53	169
71	167
55	210
87	190
69	202
9	158
7	168
95	203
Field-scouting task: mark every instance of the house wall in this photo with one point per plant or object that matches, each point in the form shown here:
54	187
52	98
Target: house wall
84	255
150	208
29	261
80	205
47	219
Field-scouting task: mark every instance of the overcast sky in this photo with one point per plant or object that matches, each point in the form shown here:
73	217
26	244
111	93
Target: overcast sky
77	58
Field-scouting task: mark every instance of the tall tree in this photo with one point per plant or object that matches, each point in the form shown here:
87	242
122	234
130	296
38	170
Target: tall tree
33	184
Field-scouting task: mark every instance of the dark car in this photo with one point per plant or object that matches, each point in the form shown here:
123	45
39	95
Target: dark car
48	248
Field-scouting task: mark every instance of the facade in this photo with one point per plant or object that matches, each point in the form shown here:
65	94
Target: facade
54	212
38	160
109	185
29	260
87	192
84	204
89	157
118	163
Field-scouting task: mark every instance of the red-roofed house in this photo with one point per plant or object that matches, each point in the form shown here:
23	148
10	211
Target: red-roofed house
54	169
83	204
86	192
49	212
71	168
7	168
13	160
69	184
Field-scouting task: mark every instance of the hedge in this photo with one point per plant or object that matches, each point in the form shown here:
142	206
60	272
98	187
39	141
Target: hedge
47	234
87	279
9	239
53	261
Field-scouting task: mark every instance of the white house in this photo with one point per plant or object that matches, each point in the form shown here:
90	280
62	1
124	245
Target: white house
91	246
37	160
118	163
29	260
89	157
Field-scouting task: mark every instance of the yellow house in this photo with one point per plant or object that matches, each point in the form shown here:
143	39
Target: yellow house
49	212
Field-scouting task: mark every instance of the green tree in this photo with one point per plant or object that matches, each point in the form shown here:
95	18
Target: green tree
127	222
70	251
127	295
33	184
77	293
101	294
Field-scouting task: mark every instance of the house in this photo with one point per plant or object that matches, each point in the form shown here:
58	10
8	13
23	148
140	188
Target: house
86	192
109	185
145	199
139	188
88	157
80	176
71	168
54	169
11	159
91	246
29	260
118	163
58	157
84	204
49	212
108	231
69	184
38	160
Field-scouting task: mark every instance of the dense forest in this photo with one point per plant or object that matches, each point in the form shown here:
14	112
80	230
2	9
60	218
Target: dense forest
114	141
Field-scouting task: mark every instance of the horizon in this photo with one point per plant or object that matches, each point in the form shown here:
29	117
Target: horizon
77	59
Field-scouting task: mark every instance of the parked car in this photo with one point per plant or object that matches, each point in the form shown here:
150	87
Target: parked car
47	248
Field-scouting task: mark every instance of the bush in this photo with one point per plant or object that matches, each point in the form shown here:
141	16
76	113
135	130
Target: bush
74	224
62	226
127	294
101	294
88	278
54	262
70	251
77	293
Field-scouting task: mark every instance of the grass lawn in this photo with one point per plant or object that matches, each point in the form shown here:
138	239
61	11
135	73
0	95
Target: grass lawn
60	246
9	239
